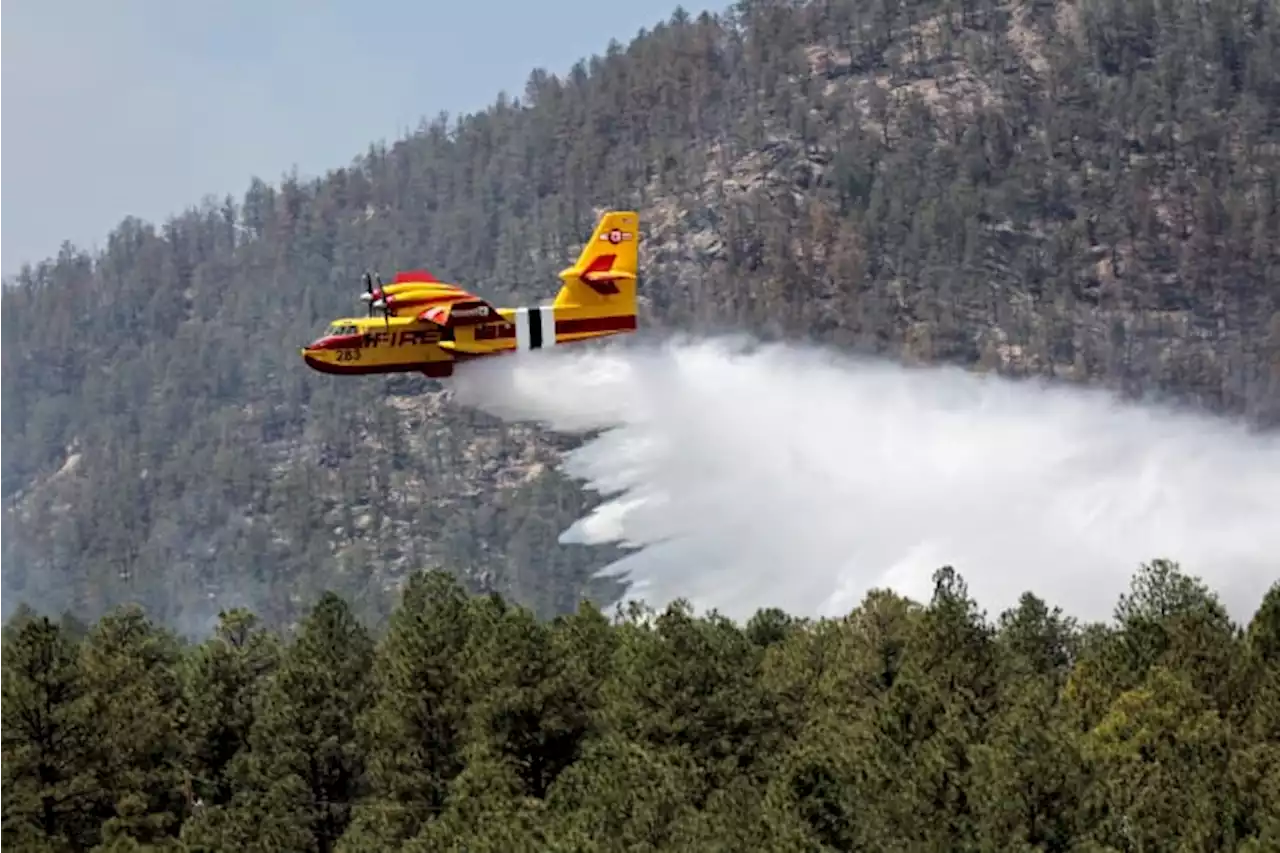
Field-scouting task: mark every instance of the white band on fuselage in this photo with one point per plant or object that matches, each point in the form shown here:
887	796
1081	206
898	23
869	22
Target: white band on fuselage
548	317
535	327
522	329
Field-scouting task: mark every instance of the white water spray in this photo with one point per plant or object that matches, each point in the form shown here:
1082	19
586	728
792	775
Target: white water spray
795	478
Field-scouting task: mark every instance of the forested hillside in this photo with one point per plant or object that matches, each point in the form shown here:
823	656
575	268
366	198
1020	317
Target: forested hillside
473	726
1088	190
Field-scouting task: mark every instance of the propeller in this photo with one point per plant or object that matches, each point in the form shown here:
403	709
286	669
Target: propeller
367	296
381	302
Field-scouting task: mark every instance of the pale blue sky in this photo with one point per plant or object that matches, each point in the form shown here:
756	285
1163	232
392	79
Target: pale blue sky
142	107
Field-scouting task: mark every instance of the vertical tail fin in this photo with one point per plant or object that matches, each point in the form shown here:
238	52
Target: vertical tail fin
605	273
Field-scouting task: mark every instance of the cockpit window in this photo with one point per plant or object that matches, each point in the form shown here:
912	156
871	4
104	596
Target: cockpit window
341	329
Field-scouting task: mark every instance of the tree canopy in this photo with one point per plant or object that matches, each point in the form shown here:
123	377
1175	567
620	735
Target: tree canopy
472	725
1087	190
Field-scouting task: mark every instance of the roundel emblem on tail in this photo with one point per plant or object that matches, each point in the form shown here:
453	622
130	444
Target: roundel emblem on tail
615	236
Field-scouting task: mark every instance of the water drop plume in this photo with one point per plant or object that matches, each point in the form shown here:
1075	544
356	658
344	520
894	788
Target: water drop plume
748	476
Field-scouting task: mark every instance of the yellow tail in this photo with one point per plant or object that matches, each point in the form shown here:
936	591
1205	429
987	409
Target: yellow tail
604	276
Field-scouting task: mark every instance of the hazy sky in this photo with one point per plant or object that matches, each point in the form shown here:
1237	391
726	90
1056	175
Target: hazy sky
143	106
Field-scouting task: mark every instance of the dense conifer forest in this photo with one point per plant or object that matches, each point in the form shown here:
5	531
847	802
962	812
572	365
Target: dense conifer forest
471	725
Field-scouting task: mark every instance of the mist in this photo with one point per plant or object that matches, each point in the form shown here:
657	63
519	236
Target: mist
745	476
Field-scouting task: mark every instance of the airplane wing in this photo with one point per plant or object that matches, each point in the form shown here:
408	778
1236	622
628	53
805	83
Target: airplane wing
414	275
470	310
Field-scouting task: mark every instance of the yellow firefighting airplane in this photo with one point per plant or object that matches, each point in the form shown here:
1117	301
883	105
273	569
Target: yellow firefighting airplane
428	325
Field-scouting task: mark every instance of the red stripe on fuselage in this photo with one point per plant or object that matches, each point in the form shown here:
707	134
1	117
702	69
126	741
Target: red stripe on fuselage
597	325
434	369
578	326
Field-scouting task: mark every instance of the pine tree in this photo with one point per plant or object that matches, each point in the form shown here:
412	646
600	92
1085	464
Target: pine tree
50	739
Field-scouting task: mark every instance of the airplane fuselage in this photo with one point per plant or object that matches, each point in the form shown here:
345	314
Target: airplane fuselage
365	345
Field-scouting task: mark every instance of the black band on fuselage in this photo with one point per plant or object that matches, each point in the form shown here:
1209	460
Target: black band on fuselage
535	328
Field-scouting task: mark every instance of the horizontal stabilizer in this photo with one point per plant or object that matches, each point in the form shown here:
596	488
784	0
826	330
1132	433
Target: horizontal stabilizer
609	275
600	269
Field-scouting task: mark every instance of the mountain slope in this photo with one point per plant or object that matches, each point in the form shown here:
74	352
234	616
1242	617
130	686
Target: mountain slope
1086	190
